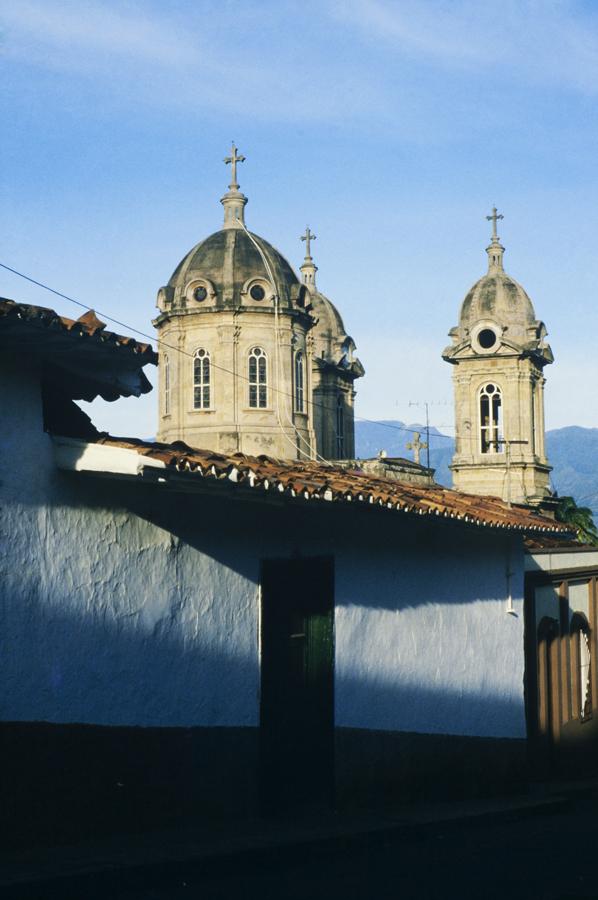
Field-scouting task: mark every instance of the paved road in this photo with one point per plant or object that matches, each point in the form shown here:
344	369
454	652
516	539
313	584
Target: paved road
541	857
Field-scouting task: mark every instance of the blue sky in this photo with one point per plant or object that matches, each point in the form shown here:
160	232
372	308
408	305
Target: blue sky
391	128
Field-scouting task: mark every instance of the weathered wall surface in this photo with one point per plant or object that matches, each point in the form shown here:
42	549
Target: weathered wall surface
108	616
423	639
129	625
134	607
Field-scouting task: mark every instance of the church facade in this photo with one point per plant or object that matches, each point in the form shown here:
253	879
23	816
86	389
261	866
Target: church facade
499	353
253	359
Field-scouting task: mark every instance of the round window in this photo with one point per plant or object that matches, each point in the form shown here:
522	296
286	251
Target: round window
257	292
200	293
487	338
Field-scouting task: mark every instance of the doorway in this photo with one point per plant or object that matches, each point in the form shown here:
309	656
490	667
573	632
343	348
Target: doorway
297	684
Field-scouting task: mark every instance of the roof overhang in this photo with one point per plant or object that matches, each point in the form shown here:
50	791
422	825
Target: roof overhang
80	358
183	468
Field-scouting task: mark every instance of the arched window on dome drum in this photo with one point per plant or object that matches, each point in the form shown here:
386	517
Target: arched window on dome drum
491	434
201	380
258	379
340	427
166	365
299	382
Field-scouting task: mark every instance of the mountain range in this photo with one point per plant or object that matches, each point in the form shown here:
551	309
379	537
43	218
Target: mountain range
571	451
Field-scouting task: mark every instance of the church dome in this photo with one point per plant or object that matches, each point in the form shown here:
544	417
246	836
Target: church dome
500	298
230	265
497	313
332	345
329	330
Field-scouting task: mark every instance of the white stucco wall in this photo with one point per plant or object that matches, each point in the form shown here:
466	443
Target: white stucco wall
124	605
424	641
106	617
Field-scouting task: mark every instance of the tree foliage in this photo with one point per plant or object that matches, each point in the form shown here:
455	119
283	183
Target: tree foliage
568	512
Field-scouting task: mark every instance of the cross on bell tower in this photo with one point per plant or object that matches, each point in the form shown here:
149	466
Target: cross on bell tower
495	249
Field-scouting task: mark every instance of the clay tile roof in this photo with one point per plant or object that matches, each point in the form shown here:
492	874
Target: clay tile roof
88	325
311	480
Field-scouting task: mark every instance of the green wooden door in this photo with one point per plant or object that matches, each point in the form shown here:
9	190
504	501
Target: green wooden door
297	685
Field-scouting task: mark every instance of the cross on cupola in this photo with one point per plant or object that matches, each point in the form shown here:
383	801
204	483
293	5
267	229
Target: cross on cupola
417	446
495	250
233	159
309	268
494	219
308	237
234	201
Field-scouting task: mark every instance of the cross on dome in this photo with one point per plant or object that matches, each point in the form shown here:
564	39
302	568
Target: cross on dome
234	201
308	237
494	218
233	159
309	268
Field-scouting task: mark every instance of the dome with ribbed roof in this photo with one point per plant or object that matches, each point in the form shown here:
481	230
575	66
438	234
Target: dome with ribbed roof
229	260
497	313
332	345
500	298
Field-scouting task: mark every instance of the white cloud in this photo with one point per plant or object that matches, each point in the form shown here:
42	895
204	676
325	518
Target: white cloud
226	61
93	28
546	42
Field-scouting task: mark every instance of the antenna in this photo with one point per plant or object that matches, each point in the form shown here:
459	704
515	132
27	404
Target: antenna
507	446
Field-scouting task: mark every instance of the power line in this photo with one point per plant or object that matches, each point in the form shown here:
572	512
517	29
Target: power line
159	342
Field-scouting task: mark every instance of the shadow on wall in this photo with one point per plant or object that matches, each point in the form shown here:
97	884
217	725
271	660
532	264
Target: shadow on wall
123	622
420	557
64	779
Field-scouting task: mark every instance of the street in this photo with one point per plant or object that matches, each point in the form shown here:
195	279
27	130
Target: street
537	857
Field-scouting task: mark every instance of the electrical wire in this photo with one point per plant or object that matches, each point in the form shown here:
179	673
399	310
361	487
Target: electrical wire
165	345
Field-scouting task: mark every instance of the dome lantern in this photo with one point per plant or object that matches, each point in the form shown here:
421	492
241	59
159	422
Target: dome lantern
495	250
309	268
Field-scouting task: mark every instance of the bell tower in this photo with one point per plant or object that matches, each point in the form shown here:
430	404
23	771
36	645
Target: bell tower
499	352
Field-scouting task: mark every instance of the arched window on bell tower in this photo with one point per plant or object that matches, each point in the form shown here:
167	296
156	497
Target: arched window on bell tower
491	419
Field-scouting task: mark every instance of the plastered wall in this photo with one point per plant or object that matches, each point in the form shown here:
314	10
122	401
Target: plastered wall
123	604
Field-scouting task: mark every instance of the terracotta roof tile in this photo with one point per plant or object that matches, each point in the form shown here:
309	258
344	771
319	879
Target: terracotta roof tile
332	483
88	325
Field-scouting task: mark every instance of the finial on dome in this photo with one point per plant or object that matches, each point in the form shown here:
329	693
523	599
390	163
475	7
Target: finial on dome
309	268
234	201
493	218
495	250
